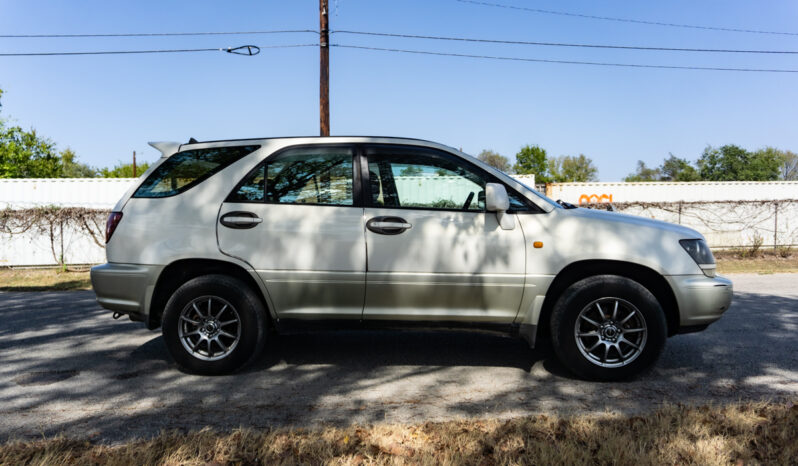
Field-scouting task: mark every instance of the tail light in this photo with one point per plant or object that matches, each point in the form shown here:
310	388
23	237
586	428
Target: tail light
110	225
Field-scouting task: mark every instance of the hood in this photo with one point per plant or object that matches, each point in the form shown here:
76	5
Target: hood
616	217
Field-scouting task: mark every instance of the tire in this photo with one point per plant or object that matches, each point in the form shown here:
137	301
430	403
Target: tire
595	341
214	325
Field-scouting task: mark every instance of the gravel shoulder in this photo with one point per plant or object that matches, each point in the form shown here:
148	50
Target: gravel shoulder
67	367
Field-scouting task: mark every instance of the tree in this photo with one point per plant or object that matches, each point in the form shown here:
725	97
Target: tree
569	169
733	163
124	170
71	168
644	173
788	162
531	160
676	169
495	160
789	166
23	154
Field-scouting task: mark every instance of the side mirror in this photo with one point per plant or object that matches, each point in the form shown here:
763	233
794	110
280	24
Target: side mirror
496	200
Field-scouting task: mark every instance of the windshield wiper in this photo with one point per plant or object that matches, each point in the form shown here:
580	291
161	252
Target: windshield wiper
566	205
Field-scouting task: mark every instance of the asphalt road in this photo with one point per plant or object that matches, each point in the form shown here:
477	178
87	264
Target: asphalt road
66	366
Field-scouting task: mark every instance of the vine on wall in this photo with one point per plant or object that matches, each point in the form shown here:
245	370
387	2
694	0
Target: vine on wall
52	222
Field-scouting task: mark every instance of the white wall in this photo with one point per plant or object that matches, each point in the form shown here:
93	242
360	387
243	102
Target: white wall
729	214
665	191
95	193
724	224
31	248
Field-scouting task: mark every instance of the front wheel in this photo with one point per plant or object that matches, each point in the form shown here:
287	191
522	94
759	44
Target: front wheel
214	324
608	327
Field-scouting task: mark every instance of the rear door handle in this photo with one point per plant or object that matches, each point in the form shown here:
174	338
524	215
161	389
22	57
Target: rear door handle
240	220
388	225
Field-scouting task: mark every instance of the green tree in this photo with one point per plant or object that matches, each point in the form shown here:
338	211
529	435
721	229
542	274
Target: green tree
71	168
23	154
644	173
124	170
788	162
676	169
531	160
569	169
733	163
495	160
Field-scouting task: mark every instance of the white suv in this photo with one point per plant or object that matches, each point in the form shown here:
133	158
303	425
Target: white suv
222	242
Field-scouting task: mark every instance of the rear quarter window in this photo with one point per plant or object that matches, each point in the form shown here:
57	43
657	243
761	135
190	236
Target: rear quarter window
184	170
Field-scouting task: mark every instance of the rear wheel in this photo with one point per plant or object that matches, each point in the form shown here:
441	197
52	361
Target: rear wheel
608	327
214	324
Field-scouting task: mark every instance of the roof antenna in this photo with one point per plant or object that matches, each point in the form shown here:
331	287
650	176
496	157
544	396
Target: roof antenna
192	141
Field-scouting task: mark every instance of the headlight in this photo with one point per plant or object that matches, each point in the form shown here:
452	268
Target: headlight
699	251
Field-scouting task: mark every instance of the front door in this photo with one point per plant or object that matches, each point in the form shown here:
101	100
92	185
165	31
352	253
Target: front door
294	219
433	251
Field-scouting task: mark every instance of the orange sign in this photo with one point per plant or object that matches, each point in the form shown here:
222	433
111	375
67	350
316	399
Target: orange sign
595	198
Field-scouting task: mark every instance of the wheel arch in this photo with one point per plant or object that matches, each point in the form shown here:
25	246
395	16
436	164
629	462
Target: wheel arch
649	278
179	272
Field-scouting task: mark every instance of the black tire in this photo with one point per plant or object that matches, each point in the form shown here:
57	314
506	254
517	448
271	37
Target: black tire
247	309
583	296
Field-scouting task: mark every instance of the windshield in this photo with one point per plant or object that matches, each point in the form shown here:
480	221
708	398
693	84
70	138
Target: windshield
537	193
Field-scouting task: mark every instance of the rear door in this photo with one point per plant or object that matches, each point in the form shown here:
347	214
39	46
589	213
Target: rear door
434	253
295	219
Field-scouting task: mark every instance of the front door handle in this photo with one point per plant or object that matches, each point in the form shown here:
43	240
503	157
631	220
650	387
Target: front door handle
240	220
388	225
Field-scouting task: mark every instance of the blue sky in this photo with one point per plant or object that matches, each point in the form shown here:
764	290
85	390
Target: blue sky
105	107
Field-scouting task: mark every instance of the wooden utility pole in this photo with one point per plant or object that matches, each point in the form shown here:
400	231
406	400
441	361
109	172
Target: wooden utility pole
324	70
134	164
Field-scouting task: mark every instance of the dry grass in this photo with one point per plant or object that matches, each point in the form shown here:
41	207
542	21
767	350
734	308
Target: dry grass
43	280
737	434
763	263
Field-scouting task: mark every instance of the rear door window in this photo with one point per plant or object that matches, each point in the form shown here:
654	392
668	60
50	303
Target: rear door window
187	169
315	175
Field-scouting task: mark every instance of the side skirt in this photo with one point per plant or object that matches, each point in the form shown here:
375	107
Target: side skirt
294	326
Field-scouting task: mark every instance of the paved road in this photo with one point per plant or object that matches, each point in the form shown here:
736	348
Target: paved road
66	366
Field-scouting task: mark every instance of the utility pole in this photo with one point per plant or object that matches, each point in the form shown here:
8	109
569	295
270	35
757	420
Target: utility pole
134	164
324	70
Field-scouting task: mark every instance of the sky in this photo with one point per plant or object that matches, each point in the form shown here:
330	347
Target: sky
105	107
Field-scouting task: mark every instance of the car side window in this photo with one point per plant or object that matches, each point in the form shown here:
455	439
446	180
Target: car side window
423	179
186	169
317	176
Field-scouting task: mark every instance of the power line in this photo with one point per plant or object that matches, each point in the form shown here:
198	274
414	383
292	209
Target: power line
626	20
565	44
243	50
568	62
159	34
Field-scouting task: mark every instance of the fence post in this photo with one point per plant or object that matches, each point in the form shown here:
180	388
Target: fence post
775	225
61	240
680	212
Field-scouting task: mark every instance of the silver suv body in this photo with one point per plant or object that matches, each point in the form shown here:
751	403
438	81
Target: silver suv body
221	241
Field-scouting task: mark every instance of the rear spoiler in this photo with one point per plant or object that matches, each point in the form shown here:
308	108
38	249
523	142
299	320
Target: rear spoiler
166	148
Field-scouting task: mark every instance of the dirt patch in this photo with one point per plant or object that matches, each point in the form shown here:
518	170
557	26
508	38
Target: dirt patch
736	434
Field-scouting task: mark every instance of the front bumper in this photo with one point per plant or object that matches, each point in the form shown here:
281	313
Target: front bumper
125	288
702	300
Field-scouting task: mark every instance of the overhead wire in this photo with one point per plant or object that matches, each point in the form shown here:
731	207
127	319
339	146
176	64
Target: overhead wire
626	20
158	34
562	44
569	62
127	52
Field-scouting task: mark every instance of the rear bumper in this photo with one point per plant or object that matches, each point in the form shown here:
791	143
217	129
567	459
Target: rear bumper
702	300
125	288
